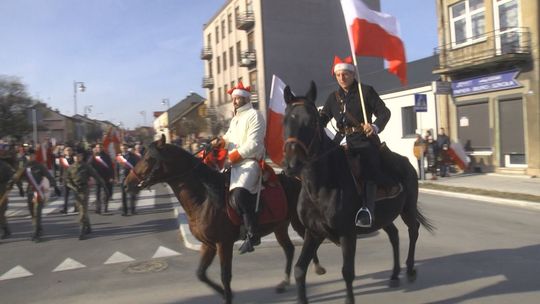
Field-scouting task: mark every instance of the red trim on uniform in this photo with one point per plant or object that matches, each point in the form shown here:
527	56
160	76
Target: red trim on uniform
235	157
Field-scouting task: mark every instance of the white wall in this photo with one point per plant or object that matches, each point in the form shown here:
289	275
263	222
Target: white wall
393	132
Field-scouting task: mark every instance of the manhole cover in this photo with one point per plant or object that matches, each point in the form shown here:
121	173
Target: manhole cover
147	266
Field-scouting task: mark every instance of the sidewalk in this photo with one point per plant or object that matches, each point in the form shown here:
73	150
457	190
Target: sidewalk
490	186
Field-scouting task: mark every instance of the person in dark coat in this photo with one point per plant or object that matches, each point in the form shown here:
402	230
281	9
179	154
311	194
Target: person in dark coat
102	163
65	161
127	160
358	132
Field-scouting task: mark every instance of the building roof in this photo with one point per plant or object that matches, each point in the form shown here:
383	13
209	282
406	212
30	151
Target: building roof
182	108
419	73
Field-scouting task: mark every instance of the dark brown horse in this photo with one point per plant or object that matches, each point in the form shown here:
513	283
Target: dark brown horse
201	192
329	198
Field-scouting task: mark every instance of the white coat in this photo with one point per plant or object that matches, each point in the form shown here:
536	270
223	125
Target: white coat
246	135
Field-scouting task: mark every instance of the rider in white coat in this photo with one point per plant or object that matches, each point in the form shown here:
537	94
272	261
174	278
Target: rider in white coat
245	142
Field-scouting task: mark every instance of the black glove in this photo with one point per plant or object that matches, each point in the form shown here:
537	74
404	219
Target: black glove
57	191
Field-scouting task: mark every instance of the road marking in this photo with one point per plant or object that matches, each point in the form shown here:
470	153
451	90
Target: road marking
68	264
119	257
16	272
162	252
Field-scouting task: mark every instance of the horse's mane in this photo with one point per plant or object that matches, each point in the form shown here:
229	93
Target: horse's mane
212	180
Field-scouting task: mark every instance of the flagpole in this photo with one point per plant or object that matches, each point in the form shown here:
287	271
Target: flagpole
362	103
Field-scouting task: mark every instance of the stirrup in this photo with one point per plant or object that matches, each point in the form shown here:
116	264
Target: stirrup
359	223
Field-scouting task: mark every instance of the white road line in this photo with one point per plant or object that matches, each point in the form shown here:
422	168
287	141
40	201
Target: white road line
16	272
68	264
119	257
162	252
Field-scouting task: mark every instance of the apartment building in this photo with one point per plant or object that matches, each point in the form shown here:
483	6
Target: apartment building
489	55
251	40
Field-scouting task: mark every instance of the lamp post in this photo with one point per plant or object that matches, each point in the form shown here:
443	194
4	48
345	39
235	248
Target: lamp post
166	102
77	85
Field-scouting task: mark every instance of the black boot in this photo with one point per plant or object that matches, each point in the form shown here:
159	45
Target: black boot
252	239
88	229
6	233
82	232
364	216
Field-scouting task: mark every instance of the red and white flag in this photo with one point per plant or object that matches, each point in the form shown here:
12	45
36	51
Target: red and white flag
111	143
375	34
274	125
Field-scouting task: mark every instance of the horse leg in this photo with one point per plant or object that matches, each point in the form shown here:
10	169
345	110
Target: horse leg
284	241
412	223
348	249
225	257
310	246
393	235
301	230
207	256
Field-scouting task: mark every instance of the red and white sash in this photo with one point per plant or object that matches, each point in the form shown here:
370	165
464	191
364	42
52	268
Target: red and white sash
124	162
101	161
64	162
39	193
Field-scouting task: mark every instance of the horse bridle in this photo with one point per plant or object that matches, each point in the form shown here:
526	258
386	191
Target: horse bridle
154	169
291	139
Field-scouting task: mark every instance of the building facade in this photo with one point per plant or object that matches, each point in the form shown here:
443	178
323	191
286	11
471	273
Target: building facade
252	40
489	55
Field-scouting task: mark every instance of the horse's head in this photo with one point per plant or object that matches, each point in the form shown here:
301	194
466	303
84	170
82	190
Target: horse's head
302	131
159	164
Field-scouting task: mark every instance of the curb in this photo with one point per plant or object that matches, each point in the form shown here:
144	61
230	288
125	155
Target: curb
483	198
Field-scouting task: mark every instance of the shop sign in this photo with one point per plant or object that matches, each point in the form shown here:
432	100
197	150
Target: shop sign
493	82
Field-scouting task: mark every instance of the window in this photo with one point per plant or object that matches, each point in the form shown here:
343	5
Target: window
217	34
408	121
210	70
218	65
225	93
229	22
473	126
507	25
231	55
232	84
223	29
238	52
219	96
224	61
212	101
209	40
467	20
251	41
249	5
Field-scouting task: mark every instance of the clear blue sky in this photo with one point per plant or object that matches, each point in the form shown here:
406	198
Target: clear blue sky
133	53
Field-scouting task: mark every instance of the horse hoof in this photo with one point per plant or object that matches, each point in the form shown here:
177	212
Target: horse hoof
411	275
281	287
394	283
320	270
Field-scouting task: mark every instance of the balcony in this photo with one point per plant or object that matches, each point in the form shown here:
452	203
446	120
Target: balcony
245	20
497	48
206	53
248	59
208	82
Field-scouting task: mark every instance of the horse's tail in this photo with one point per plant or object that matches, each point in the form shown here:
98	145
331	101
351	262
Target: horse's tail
424	221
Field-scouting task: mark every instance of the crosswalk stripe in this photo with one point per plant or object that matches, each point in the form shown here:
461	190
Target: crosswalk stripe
119	257
68	264
162	252
16	272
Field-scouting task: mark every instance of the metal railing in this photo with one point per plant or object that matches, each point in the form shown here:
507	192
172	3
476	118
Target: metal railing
511	44
208	82
248	58
206	53
245	20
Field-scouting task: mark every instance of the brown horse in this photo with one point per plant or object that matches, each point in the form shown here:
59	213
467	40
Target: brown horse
329	198
202	193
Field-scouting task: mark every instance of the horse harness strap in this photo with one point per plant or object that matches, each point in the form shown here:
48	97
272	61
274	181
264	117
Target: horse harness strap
347	130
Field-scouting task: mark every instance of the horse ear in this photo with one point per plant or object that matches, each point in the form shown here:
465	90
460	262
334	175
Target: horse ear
312	92
288	95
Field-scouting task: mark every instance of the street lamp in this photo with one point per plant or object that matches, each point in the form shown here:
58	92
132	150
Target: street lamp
77	85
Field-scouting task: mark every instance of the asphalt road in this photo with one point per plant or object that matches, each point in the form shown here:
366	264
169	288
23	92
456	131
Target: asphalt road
480	253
